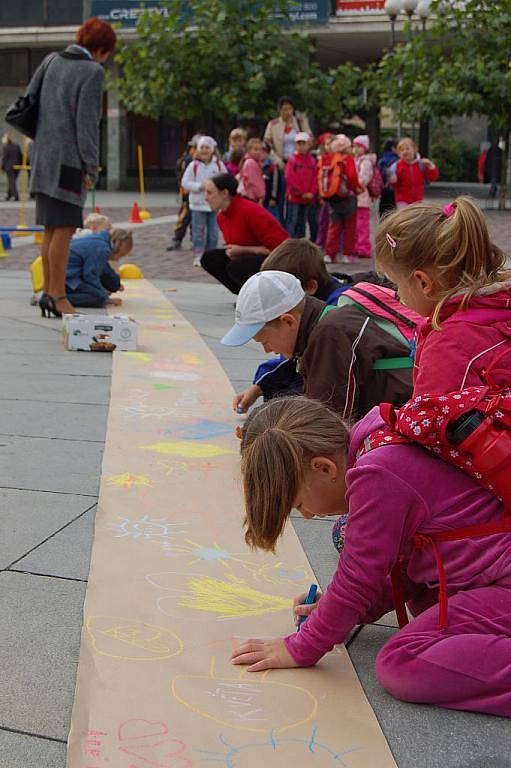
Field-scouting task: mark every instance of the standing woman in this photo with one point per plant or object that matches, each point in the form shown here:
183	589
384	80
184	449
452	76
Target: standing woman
280	134
11	156
66	149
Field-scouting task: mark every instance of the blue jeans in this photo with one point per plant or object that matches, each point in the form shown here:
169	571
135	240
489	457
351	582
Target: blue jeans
297	215
204	231
86	295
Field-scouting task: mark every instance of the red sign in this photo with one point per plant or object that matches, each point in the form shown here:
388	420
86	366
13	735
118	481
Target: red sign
359	6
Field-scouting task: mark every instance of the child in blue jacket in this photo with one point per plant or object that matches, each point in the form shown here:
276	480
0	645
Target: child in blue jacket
89	278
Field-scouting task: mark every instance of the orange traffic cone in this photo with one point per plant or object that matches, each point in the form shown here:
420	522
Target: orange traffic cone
96	209
135	215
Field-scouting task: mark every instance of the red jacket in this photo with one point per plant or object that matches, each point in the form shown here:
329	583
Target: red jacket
409	186
468	342
248	223
301	178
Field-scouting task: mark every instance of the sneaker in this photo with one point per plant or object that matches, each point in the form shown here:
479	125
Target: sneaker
196	261
348	259
328	259
174	246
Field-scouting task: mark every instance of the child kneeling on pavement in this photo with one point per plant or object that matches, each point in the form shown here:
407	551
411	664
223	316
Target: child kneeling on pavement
89	278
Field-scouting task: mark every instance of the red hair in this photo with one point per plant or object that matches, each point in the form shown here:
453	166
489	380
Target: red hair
96	35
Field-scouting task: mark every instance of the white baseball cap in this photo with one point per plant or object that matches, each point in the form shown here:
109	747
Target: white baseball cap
302	136
206	141
264	297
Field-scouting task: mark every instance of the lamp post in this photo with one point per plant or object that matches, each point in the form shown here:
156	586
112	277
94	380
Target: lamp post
393	8
423	11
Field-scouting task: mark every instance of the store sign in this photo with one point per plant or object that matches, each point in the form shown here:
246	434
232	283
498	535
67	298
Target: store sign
128	12
358	6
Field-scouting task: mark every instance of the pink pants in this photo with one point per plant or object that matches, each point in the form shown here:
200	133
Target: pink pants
363	247
466	666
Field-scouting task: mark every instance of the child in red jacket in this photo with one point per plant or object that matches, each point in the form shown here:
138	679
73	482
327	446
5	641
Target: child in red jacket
251	173
408	174
301	189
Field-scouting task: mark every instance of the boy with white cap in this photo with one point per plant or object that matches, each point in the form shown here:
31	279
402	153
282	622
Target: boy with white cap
302	189
334	350
204	225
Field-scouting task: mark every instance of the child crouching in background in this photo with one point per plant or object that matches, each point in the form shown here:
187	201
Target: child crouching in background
89	278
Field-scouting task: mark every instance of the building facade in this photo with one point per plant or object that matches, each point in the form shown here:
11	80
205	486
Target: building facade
354	30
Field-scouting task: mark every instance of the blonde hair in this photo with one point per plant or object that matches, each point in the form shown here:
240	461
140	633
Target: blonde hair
279	440
403	141
238	133
119	237
97	222
455	244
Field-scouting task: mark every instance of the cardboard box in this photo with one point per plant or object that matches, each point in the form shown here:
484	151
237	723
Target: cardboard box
99	333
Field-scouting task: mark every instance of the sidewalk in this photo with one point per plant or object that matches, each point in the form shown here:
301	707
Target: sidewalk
55	406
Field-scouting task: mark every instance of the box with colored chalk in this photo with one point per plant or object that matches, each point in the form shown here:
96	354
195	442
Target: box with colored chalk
99	333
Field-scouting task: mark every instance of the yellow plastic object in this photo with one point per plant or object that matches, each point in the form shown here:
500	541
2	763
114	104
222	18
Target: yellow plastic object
38	238
36	270
130	272
144	215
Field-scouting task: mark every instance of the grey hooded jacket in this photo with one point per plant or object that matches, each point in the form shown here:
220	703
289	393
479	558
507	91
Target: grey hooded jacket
66	145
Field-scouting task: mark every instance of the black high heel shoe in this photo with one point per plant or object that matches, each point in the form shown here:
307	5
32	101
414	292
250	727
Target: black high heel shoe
48	307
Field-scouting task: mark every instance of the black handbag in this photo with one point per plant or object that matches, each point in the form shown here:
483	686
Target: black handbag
23	114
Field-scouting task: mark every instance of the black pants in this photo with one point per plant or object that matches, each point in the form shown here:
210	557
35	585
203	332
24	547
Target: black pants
12	190
184	219
232	273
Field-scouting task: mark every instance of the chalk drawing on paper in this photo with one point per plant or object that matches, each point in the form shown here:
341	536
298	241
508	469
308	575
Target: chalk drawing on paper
196	429
150	741
175	375
222	598
190	359
274	752
142	356
157	529
189	450
183	467
145	411
242	704
272	572
122	638
127	481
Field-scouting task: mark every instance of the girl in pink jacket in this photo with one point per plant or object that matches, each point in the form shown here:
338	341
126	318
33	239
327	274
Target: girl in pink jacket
365	162
251	176
447	269
296	453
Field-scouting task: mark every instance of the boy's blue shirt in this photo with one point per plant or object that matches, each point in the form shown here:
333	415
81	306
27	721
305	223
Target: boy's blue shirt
88	260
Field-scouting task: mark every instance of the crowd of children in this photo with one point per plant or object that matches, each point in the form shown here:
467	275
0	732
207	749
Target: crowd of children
324	189
422	480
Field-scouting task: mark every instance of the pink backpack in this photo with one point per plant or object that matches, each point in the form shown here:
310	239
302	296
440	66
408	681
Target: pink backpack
389	314
376	185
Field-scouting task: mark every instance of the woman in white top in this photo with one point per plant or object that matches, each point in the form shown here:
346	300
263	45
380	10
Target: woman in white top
204	226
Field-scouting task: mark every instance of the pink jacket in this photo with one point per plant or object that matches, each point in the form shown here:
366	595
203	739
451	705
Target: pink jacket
454	357
301	177
365	169
393	492
252	180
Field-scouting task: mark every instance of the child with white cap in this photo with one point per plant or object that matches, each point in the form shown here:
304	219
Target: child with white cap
302	189
204	224
335	348
365	162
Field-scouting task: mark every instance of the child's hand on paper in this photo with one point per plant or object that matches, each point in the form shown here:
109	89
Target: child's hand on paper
263	654
115	302
245	399
300	608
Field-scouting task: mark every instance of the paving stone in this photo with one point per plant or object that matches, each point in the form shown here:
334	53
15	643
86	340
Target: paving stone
20	751
40	642
47	388
53	420
30	517
67	554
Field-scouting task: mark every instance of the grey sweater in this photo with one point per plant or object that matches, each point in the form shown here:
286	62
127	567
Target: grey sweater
66	145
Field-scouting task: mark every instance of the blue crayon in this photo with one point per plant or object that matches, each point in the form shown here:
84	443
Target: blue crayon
309	600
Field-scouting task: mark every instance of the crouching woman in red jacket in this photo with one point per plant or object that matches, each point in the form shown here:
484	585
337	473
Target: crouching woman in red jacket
249	231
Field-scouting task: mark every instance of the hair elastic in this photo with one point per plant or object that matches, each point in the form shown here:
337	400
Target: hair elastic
448	209
391	241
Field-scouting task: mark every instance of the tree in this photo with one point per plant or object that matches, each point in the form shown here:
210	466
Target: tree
226	57
460	67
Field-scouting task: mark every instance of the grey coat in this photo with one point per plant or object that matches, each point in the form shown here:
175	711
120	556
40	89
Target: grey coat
66	145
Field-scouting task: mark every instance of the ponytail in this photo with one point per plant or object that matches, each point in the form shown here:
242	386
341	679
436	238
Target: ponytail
279	440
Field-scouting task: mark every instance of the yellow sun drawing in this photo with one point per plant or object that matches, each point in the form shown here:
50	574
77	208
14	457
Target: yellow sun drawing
128	481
